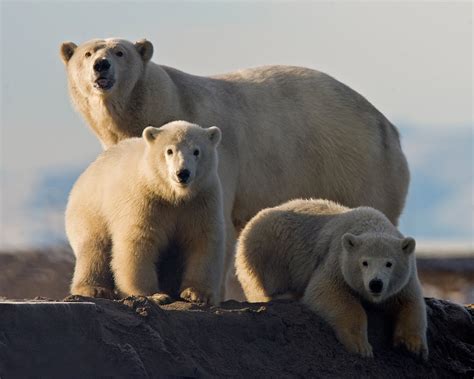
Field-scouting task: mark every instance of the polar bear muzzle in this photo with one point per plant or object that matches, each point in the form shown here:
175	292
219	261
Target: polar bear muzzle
102	70
376	286
183	176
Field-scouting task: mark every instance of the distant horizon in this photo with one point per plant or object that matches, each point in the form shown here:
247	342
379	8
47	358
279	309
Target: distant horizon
40	210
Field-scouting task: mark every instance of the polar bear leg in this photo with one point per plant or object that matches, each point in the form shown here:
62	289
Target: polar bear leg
133	264
251	276
92	275
203	272
341	310
232	289
411	323
254	292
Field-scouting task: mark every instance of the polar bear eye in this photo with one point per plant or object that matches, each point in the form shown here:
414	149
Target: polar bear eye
388	264
196	153
169	152
87	55
365	263
119	54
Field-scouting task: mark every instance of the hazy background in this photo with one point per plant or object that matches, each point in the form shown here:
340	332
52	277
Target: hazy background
412	60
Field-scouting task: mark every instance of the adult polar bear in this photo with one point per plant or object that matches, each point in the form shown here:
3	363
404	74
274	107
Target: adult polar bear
287	132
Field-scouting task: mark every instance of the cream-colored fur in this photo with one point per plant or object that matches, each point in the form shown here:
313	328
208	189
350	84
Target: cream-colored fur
129	206
332	257
288	132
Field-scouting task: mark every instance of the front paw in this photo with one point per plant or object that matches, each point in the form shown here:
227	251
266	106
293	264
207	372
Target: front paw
414	343
195	295
357	345
93	291
160	298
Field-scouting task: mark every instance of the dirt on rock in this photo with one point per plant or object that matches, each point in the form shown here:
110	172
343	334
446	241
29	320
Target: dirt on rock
136	338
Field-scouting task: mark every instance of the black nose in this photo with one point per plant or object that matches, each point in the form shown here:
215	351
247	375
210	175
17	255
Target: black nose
101	65
183	175
376	285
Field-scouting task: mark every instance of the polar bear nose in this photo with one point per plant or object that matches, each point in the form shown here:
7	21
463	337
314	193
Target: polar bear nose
183	175
376	285
101	64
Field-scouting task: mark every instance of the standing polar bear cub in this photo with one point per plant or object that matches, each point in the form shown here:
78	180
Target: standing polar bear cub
332	257
135	201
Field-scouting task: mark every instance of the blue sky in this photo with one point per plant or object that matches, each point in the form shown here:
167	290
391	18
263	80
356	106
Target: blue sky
412	60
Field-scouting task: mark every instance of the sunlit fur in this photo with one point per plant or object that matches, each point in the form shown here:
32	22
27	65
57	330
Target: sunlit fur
288	132
313	250
126	209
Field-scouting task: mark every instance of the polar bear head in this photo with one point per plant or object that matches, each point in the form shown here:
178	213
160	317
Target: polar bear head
377	265
105	66
181	158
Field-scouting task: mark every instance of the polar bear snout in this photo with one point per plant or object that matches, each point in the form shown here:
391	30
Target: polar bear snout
182	165
376	286
101	65
103	74
183	175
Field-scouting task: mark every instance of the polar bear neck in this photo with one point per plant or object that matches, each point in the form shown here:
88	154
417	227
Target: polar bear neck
120	116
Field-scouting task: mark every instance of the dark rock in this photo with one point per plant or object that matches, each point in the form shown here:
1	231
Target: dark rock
136	338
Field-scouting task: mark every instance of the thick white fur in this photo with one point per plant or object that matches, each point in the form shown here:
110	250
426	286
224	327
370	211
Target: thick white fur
326	255
288	132
127	208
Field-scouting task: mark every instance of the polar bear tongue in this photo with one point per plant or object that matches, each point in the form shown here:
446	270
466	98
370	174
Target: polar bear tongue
102	82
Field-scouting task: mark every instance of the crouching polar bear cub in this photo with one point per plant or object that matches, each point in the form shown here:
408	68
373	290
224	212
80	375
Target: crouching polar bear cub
331	257
288	132
139	197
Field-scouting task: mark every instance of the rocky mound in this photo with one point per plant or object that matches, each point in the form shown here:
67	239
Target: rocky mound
135	338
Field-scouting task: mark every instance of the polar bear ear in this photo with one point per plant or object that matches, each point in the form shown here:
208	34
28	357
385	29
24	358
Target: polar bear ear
350	242
145	49
150	133
214	134
408	245
67	51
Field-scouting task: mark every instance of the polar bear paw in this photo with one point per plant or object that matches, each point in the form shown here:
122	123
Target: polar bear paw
363	348
195	295
160	298
94	291
414	343
357	345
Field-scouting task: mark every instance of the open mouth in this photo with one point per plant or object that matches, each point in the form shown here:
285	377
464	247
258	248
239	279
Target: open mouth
182	184
376	296
104	83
